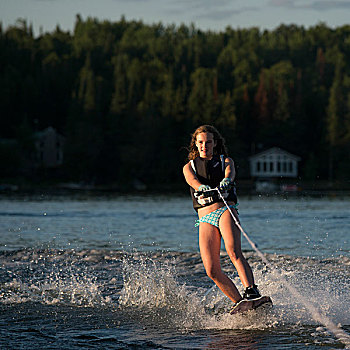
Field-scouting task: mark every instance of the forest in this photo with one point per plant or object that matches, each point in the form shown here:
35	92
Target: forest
127	96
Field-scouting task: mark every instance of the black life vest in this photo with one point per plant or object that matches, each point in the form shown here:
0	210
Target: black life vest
210	172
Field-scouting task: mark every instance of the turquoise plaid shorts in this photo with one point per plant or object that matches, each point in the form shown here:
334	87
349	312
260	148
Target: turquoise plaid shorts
213	218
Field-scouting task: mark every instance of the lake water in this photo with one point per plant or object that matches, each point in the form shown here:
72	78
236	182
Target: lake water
124	272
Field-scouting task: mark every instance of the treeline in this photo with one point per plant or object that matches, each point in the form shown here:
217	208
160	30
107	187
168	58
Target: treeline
127	95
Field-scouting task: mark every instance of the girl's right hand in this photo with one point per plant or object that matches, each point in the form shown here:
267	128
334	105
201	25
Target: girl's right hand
204	188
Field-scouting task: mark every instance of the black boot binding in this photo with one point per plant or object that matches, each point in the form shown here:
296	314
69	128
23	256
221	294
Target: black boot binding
251	293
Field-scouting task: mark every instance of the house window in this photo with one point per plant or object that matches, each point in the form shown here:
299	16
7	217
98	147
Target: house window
271	166
291	167
258	166
265	167
279	167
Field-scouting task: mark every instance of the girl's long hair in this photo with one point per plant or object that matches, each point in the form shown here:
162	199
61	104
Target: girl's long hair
219	149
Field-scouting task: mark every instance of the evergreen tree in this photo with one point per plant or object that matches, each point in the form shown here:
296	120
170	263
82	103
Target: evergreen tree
108	85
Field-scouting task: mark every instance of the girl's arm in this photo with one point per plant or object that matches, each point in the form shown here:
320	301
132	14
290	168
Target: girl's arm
230	171
191	177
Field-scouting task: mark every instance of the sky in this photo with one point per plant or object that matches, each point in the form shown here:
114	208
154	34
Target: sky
213	15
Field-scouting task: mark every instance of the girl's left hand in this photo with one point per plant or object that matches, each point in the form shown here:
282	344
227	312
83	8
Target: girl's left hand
225	184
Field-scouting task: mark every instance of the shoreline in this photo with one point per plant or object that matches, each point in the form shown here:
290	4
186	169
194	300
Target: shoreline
112	191
245	187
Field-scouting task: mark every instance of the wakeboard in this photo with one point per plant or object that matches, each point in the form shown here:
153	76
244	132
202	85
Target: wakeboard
246	305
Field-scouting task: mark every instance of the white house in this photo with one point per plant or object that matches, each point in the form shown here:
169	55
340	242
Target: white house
274	163
49	147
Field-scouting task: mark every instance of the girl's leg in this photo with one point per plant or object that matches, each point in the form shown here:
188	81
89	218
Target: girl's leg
209	244
232	238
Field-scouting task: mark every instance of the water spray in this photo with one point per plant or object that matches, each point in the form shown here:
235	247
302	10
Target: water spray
315	313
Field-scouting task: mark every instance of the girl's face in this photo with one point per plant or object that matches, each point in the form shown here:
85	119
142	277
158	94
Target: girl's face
205	143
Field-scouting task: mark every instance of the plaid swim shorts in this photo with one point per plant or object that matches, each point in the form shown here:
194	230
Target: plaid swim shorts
213	218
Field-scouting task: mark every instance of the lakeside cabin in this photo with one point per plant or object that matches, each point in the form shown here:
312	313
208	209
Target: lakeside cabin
271	165
49	148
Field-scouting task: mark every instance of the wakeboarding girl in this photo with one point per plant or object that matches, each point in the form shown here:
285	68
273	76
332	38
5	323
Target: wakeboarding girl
210	167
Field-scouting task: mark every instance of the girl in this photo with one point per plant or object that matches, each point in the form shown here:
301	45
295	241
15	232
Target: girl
209	167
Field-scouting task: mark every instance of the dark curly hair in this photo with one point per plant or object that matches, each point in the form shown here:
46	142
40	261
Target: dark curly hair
220	147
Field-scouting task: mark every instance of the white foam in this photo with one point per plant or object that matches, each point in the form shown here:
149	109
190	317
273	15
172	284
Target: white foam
152	288
70	290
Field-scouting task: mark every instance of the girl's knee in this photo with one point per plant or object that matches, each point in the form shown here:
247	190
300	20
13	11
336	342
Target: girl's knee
234	254
213	272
